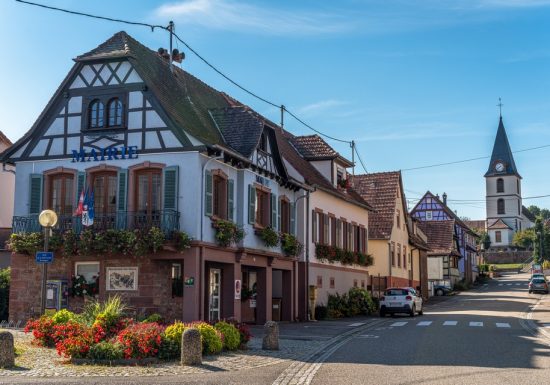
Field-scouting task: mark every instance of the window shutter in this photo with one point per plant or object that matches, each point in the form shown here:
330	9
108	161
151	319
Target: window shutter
121	199
338	242
208	187
274	211
35	195
122	189
313	226
292	219
230	200
80	183
251	204
170	188
279	214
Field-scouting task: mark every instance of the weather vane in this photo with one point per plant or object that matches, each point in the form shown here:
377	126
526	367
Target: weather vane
499	105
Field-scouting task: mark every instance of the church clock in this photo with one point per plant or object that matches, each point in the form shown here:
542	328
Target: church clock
499	167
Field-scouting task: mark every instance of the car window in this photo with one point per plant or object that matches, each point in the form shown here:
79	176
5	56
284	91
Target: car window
397	292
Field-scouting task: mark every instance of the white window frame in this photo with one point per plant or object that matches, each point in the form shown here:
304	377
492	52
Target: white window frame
429	216
76	264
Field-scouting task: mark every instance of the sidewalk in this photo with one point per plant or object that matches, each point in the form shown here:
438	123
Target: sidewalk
541	314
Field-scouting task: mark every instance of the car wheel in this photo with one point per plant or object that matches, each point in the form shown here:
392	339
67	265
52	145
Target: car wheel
413	311
439	292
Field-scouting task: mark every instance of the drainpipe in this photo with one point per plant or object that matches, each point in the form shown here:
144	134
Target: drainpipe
307	253
201	253
389	264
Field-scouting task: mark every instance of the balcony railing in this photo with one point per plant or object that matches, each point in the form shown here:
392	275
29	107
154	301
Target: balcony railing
166	220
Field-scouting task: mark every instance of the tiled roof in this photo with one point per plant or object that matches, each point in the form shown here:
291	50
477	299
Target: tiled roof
313	147
440	236
240	129
527	214
503	153
4	138
381	191
499	225
478	225
117	46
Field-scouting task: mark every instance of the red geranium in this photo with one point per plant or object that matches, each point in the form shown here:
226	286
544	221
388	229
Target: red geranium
141	340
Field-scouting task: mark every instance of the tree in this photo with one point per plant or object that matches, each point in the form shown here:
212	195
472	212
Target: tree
538	252
525	238
538	212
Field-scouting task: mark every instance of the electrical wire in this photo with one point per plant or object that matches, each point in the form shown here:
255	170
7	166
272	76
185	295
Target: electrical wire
359	157
94	16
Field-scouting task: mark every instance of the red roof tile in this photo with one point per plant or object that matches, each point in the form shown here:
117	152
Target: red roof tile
381	191
440	236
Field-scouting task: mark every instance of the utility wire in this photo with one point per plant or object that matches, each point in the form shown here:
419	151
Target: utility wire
94	16
360	160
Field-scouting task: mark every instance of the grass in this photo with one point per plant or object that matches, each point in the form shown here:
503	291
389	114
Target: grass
507	266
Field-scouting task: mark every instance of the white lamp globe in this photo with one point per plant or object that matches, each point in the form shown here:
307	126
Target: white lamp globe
47	218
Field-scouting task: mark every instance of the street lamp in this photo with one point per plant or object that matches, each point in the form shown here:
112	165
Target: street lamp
47	219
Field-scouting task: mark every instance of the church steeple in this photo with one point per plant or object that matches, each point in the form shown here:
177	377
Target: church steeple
502	160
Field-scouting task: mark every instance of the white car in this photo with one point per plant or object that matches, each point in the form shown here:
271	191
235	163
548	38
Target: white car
401	300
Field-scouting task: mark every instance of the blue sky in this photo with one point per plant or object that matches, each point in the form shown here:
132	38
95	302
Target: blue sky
413	83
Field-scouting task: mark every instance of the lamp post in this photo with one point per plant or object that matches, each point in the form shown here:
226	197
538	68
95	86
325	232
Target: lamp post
47	219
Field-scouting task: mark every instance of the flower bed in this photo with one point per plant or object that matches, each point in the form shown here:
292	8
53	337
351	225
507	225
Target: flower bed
103	334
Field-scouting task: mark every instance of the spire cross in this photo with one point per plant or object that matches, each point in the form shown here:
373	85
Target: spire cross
499	105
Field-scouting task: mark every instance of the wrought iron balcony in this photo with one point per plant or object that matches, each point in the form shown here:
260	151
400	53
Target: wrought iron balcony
166	220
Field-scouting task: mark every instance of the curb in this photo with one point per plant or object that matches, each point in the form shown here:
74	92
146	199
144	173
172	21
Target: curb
531	325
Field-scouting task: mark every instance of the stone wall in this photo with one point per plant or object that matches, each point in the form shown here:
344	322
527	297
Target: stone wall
507	256
154	294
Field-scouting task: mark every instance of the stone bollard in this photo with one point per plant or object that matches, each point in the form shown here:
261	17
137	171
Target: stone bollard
7	350
191	347
271	338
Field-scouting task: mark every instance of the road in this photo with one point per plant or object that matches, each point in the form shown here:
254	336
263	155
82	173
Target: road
474	338
477	337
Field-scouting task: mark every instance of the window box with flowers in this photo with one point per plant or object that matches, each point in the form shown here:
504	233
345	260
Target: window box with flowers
290	245
331	254
80	287
227	232
269	236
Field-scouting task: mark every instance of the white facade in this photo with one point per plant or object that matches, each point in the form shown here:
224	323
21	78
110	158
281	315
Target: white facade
7	181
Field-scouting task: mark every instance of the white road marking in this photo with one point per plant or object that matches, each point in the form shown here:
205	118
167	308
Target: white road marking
450	323
356	324
518	284
399	324
500	284
424	323
508	284
503	325
368	336
545	325
485	284
476	324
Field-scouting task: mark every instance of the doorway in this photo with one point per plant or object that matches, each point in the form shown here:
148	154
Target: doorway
214	295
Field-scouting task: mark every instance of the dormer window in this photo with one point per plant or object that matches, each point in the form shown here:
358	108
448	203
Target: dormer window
263	142
105	111
115	113
96	113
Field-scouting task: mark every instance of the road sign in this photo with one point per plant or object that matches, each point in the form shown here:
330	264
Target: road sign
44	257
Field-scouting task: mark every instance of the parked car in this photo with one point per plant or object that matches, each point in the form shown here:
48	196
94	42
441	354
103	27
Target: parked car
401	300
537	275
538	284
442	290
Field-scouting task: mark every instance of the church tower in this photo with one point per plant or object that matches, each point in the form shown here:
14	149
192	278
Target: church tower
505	212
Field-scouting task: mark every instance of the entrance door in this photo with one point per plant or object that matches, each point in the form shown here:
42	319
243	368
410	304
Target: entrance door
214	295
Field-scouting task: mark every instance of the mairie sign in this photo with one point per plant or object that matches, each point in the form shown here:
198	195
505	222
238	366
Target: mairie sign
111	153
44	257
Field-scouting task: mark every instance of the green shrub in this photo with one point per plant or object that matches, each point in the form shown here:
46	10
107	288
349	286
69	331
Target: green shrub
63	316
269	236
169	349
212	341
321	312
109	311
106	351
175	331
26	243
4	293
155	317
355	302
231	335
546	265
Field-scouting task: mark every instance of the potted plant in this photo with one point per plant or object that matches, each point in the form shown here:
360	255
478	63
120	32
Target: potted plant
227	232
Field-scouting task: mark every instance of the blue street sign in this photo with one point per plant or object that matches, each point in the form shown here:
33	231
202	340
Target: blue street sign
44	257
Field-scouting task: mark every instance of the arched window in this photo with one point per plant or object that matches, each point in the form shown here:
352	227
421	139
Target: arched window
114	108
500	206
500	185
95	114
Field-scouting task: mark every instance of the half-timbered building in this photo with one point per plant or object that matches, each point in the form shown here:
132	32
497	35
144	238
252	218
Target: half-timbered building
159	149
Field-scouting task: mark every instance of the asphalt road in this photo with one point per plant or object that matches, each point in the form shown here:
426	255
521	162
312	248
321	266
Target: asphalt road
473	338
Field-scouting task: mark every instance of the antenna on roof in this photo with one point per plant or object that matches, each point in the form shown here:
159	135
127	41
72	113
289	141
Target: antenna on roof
171	30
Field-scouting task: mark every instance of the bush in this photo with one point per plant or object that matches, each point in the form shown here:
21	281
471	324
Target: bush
244	331
111	310
26	243
212	340
4	293
68	329
355	302
169	349
106	351
155	317
175	331
321	312
42	330
546	265
231	335
141	340
269	236
63	316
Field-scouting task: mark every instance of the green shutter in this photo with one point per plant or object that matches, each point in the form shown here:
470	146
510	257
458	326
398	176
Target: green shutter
80	183
121	198
279	211
170	188
35	195
230	200
292	219
274	211
208	196
251	204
